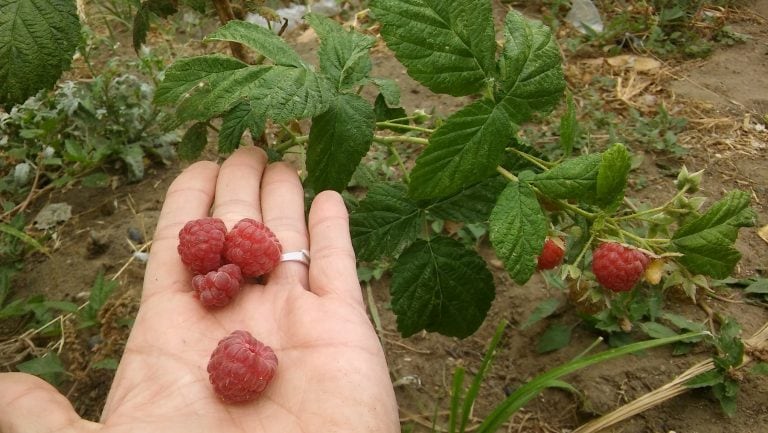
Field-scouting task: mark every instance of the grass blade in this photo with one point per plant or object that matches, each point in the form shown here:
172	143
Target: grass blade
473	390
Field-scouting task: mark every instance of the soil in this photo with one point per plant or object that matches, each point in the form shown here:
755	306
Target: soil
724	97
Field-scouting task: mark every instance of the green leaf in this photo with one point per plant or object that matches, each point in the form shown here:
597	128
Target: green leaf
612	176
193	142
760	286
760	368
133	157
555	337
574	178
386	114
344	55
657	330
569	126
48	367
683	323
207	86
450	47
105	364
100	292
140	27
518	229
465	149
338	140
385	222
162	8
389	89
726	393
260	39
531	72
37	41
703	380
198	6
20	235
441	286
729	345
707	242
543	310
235	122
473	204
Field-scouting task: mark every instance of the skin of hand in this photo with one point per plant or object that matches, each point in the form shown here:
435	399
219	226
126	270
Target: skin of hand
332	375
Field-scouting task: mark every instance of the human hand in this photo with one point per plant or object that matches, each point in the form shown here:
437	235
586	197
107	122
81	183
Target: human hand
332	375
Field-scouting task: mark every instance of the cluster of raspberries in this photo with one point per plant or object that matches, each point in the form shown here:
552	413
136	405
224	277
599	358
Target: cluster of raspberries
222	260
617	267
240	367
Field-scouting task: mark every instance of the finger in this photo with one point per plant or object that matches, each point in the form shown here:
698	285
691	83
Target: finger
333	269
29	404
189	197
237	188
282	203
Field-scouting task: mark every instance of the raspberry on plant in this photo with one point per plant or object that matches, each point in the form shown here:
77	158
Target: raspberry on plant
618	267
253	247
241	367
201	244
218	288
552	254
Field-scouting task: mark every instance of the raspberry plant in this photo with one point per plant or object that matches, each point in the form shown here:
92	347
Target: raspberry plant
475	166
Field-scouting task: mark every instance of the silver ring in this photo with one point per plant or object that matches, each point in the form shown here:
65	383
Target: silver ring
301	256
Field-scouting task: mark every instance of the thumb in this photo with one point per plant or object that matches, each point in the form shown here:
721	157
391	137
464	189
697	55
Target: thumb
30	404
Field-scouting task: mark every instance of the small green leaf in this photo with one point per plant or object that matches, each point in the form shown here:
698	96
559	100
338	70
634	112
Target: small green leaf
162	8
612	176
235	122
105	364
707	242
100	292
20	235
574	178
450	47
338	140
710	378
657	330
198	6
133	157
96	180
384	222
518	229
344	55
395	115
48	367
441	286
726	393
140	27
760	286
465	149
543	310
760	368
260	39
389	89
193	142
473	204
569	127
531	72
555	337
37	41
683	323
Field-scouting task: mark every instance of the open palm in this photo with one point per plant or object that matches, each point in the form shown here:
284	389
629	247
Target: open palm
331	375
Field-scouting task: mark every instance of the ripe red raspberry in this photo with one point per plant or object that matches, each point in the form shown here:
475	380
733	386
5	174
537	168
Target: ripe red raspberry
552	254
253	247
217	288
618	267
241	367
201	244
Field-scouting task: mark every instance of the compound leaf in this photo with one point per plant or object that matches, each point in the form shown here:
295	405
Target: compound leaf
338	140
260	39
574	178
344	55
465	149
441	286
385	222
518	228
37	41
450	47
531	72
707	242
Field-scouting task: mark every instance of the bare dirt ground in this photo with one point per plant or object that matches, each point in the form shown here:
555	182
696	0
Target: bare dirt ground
723	97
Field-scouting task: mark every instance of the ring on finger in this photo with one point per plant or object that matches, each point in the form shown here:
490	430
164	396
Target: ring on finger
301	256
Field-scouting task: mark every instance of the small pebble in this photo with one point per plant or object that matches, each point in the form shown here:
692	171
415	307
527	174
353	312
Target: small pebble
135	235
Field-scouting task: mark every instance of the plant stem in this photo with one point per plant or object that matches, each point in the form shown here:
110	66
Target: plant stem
225	13
295	141
400	162
654	210
401	126
532	159
400	138
507	174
